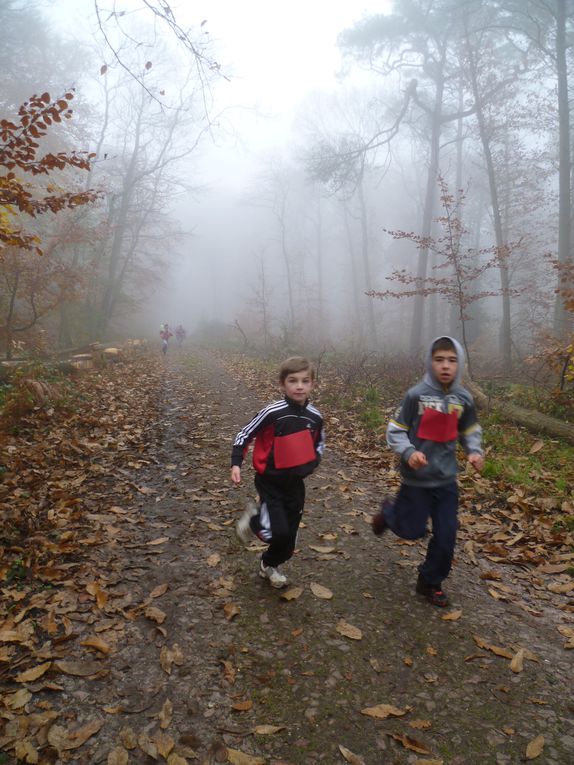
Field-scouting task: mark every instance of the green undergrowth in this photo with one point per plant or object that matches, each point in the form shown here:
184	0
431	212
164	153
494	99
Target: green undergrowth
547	400
535	463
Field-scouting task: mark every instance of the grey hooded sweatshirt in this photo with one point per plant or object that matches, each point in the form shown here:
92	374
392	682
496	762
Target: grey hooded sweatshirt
432	419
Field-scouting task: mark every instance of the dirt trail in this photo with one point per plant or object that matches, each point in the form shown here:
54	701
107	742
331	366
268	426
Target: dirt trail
232	654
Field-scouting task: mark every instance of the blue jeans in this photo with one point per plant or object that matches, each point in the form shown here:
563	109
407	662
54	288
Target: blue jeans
407	516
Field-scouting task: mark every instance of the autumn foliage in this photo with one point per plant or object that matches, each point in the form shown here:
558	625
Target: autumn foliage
21	158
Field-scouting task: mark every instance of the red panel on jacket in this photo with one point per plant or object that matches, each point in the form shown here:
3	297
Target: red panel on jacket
438	426
294	449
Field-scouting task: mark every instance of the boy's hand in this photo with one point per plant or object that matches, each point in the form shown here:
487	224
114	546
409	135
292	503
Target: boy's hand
417	460
236	474
476	460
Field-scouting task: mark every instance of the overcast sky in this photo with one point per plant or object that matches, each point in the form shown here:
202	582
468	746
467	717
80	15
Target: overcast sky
274	51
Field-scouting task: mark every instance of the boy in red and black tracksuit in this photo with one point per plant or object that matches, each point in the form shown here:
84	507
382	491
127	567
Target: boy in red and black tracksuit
288	447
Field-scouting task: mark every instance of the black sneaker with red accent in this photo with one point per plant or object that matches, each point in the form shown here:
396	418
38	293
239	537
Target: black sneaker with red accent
434	595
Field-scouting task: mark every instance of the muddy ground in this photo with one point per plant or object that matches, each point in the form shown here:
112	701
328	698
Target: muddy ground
210	664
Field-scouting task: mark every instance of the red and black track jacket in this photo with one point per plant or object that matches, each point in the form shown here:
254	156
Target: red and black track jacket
288	439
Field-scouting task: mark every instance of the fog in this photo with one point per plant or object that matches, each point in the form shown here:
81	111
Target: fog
278	175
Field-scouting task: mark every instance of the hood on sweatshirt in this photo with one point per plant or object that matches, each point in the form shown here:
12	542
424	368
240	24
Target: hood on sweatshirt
429	377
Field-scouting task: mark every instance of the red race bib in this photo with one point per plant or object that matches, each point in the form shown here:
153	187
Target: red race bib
438	426
294	449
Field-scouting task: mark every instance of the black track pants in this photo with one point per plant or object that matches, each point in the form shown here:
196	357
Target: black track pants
282	501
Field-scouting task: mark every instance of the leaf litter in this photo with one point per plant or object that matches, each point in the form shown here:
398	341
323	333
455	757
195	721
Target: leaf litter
76	601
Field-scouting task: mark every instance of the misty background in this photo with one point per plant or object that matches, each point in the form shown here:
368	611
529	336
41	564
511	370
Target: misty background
351	175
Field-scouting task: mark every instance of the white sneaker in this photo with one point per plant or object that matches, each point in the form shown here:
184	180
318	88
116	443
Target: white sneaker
276	578
243	527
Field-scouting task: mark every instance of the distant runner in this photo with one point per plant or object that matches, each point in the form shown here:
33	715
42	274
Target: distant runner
165	333
179	334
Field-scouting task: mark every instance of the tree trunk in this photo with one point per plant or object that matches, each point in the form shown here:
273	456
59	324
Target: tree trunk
371	325
534	421
562	319
354	280
320	288
428	213
505	337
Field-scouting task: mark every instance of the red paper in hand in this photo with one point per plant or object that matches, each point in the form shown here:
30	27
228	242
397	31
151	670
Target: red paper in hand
438	426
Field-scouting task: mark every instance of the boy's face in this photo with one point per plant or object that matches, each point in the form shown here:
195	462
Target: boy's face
445	366
298	386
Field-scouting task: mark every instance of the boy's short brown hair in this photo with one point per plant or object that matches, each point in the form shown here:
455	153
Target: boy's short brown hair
443	344
295	364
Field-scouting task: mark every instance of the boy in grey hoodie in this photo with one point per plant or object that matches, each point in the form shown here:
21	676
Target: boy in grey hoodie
434	415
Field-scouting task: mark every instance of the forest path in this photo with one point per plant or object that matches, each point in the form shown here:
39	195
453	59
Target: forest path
211	664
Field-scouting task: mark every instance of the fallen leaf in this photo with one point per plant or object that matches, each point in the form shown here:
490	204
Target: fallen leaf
376	665
231	610
94	589
382	711
410	743
561	588
213	560
97	643
25	751
292	593
536	447
348	630
496	594
33	673
176	759
267	730
118	756
19	699
158	591
63	740
420	724
323	550
128	738
324	593
517	663
155	614
147	746
165	715
469	549
504	652
353	759
158	541
568	632
535	747
164	743
235	757
452	616
242	706
169	656
79	668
